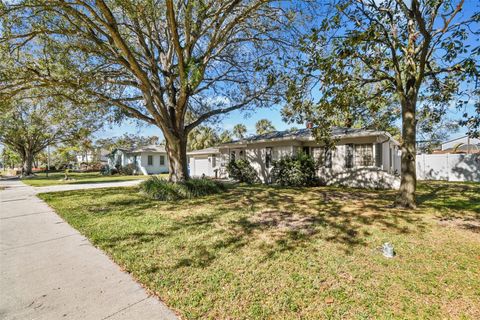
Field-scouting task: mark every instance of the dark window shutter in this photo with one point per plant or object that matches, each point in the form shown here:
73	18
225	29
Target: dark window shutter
378	155
349	156
328	158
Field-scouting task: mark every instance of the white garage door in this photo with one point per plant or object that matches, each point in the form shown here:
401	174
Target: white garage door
201	166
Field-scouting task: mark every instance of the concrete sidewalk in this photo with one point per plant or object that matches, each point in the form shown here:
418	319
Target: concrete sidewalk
49	271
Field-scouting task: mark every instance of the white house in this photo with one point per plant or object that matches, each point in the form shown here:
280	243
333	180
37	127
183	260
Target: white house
458	160
91	156
463	144
360	158
145	160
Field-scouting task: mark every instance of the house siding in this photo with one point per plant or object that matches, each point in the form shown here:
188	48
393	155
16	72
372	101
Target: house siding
214	168
378	175
139	161
155	168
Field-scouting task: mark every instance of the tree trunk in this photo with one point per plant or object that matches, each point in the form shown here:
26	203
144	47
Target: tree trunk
27	163
408	185
177	157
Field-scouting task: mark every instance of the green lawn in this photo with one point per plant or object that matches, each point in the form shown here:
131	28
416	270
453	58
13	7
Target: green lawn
276	253
7	172
55	178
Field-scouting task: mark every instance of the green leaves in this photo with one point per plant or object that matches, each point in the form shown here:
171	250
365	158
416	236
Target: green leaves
264	126
355	63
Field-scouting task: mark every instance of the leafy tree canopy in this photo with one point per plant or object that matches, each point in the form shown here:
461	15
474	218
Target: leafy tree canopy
204	137
239	131
127	141
154	61
34	122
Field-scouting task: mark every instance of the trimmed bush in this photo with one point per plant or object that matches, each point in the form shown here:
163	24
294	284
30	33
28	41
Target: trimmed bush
161	189
105	170
299	170
127	170
242	171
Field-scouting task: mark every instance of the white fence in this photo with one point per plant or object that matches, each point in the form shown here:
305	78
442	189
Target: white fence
451	167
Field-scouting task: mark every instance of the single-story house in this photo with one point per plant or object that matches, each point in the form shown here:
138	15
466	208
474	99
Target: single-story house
463	144
95	155
360	158
144	160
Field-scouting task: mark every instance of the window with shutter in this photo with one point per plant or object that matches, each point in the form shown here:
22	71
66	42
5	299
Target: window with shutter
214	161
268	157
318	155
391	157
328	158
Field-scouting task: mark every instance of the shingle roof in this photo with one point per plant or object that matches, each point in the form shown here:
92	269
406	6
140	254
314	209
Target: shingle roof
204	151
151	148
302	134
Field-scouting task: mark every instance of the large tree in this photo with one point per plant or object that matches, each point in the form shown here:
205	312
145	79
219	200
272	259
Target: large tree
173	64
10	158
366	53
31	124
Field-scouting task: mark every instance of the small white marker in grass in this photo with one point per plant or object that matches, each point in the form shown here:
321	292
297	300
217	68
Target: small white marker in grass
387	250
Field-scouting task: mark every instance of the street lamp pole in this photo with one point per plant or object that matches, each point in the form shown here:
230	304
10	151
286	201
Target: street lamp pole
48	159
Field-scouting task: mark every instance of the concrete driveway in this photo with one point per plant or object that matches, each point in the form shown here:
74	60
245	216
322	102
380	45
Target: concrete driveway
50	271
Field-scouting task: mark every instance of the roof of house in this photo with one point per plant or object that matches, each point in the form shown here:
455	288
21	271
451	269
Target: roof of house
150	148
461	148
306	135
455	139
210	150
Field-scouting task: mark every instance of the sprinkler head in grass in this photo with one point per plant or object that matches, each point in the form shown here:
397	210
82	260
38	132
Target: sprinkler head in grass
387	250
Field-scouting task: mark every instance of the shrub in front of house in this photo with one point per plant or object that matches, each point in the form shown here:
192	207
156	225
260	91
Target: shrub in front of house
161	189
242	171
127	170
105	170
298	170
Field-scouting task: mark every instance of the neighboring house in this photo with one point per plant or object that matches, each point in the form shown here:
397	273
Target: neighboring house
463	144
145	160
361	158
92	156
458	160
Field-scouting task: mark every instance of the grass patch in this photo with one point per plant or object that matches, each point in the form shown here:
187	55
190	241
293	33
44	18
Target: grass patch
55	178
160	189
257	252
7	172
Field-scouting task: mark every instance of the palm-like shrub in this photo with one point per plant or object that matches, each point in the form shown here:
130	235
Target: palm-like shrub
299	170
242	171
161	189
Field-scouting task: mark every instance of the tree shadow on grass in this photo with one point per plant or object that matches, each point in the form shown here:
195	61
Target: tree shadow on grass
284	219
136	238
451	199
275	219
